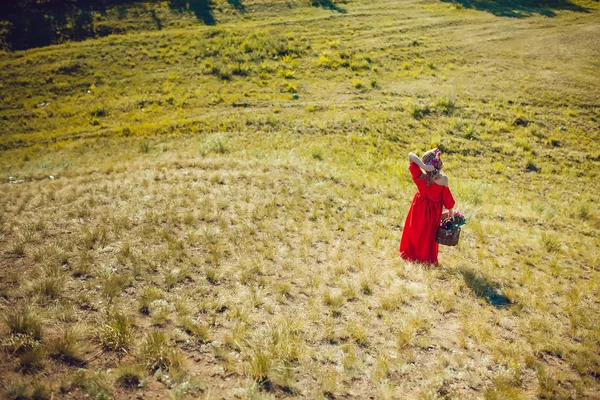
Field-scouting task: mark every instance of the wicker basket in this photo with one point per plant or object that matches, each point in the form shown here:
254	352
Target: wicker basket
447	238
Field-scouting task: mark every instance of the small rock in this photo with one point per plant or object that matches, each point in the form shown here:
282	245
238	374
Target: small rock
563	128
11	178
51	177
296	96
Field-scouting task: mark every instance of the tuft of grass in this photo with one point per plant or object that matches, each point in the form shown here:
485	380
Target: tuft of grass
317	154
334	300
114	284
32	360
99	111
418	111
156	352
358	333
551	242
83	267
175	276
23	320
554	142
160	311
256	202
26	389
395	298
260	364
357	84
446	104
382	369
213	276
217	144
17	248
18	343
197	330
67	347
406	334
366	286
95	383
148	295
290	87
116	333
144	146
469	132
130	376
50	287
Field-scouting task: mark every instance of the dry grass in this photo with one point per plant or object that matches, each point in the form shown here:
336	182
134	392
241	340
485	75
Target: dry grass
251	251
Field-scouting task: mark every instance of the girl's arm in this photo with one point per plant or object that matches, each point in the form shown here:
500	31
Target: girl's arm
415	159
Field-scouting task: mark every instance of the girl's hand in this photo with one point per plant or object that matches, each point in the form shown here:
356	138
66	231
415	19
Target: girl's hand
415	159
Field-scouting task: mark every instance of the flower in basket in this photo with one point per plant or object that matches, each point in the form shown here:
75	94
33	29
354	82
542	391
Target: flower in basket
452	224
449	231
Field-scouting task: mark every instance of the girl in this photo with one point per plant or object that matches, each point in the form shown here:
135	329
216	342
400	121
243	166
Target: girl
418	237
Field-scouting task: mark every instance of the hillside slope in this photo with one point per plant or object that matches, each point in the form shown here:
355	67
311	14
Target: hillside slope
214	210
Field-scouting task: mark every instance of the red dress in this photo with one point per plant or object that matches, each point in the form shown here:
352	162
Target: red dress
418	237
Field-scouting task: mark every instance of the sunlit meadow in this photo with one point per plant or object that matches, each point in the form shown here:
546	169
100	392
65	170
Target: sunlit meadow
212	208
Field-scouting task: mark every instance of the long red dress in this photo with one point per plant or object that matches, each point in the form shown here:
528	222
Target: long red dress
418	237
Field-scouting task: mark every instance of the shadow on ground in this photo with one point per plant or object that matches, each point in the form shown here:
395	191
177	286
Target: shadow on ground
329	4
202	9
519	8
237	4
25	24
485	289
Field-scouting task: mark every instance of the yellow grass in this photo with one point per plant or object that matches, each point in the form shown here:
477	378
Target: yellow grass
175	233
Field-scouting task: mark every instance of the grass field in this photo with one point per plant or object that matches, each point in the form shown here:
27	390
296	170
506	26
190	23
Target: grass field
209	205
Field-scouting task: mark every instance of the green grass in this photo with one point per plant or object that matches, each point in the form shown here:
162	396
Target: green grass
215	210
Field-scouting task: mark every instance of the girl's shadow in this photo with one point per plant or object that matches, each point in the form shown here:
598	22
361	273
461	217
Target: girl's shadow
485	289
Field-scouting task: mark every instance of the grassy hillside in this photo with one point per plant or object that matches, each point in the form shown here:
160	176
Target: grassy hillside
214	210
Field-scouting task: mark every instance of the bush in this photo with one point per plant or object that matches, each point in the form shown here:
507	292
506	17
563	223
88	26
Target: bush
326	62
446	104
357	84
291	88
241	69
215	144
99	112
418	111
554	142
